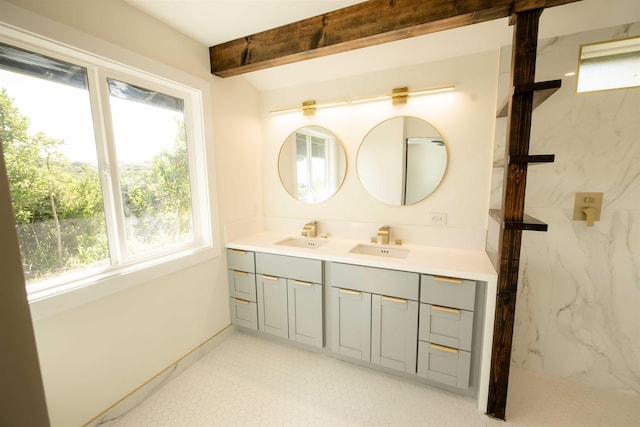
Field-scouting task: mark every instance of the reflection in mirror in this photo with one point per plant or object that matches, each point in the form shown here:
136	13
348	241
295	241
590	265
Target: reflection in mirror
312	164
402	160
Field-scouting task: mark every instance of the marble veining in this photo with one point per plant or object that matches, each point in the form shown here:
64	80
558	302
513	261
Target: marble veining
577	313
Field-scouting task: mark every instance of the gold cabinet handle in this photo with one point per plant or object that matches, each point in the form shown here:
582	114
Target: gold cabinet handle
448	279
298	282
269	277
240	273
446	309
241	301
350	292
239	251
443	348
393	299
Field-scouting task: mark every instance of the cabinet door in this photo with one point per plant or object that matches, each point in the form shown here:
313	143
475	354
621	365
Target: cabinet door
394	333
351	323
446	326
448	292
241	260
444	364
309	270
242	285
305	312
272	305
243	313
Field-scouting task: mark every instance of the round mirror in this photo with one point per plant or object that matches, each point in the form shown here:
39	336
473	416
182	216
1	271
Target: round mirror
312	164
402	160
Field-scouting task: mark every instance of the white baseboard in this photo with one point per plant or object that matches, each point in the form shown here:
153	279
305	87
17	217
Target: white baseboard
110	415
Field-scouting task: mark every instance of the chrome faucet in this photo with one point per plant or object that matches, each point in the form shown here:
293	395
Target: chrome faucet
310	229
383	235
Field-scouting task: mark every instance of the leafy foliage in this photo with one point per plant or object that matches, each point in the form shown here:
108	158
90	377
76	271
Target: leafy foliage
58	205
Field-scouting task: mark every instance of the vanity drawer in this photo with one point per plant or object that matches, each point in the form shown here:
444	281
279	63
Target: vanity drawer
401	284
244	313
446	326
242	285
308	270
448	292
240	260
444	365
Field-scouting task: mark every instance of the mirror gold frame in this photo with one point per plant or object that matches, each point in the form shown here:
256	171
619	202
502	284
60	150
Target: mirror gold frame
402	160
312	164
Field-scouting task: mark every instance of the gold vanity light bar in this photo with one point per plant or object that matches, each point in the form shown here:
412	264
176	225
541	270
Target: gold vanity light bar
398	96
369	99
309	108
432	91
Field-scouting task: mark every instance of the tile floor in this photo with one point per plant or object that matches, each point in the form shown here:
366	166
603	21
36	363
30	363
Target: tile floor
251	381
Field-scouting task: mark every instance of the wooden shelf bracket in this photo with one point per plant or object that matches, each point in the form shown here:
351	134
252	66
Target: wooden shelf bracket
525	96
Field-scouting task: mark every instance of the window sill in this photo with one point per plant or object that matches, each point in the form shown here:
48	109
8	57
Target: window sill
51	302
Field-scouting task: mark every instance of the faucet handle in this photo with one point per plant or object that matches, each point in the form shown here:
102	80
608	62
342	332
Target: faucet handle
383	235
310	229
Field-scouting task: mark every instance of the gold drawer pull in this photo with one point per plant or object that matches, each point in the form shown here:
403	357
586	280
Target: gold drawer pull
239	251
269	277
350	292
445	309
298	282
443	348
447	279
392	299
241	301
240	273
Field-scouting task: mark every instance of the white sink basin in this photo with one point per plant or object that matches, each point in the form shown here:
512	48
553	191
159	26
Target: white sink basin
302	242
378	250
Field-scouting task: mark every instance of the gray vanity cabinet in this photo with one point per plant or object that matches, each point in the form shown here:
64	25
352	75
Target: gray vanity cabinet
375	315
242	285
394	327
242	288
305	312
446	330
444	364
272	305
446	326
244	313
351	323
290	297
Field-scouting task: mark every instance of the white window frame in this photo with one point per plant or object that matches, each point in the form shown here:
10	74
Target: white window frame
330	168
72	289
596	72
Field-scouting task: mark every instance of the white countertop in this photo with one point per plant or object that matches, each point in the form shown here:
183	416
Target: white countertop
461	263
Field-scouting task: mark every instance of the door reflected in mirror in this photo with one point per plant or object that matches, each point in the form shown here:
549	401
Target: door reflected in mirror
312	164
402	160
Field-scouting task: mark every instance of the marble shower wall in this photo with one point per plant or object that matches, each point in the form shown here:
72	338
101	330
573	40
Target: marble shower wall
578	309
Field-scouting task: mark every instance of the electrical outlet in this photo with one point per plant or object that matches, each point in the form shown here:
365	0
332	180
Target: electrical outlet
437	218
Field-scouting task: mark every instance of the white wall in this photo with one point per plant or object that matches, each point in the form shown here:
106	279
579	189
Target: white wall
237	135
94	354
464	117
577	309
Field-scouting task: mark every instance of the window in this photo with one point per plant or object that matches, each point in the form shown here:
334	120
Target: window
609	65
316	172
101	166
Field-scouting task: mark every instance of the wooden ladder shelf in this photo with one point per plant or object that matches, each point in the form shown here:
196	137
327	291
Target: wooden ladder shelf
525	96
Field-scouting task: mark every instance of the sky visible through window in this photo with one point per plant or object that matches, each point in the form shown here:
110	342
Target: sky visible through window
50	106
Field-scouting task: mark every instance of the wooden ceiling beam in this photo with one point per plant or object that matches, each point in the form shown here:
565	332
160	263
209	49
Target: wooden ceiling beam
361	25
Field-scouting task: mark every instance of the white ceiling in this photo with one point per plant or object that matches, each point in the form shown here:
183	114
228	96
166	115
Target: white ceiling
212	22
